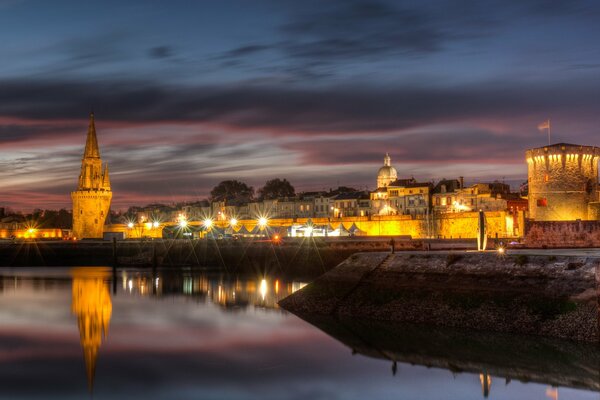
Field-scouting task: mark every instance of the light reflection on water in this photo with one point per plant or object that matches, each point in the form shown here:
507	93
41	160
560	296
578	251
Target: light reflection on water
67	333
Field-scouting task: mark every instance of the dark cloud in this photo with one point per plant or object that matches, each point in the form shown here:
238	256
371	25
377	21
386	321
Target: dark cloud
161	52
335	109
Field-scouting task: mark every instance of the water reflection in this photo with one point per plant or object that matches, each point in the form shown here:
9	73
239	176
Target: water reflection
187	334
93	308
228	292
524	358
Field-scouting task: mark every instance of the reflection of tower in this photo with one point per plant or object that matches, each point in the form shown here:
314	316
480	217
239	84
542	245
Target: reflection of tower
91	201
93	307
486	384
552	393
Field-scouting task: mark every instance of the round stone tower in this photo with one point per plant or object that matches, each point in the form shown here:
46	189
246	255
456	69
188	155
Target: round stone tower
563	181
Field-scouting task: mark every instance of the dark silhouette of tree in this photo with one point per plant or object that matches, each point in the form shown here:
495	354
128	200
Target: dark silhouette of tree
276	188
232	192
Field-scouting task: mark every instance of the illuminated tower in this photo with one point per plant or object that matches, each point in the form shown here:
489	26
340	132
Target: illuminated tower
91	201
563	182
92	305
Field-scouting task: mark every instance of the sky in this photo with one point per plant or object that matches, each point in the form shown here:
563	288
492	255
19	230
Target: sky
187	94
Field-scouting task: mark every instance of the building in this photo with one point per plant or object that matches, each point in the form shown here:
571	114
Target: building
386	174
563	182
453	196
353	204
91	200
402	197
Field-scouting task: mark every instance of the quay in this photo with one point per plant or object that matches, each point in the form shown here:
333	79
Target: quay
532	292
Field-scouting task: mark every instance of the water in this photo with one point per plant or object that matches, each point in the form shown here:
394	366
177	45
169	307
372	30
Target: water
78	333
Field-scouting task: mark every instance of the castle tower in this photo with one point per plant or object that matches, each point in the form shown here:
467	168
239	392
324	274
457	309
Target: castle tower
92	305
91	201
387	174
563	181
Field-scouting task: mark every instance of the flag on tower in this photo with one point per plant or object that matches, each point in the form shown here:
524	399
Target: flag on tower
544	125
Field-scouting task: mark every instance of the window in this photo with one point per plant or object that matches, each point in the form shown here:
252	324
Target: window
448	200
437	201
542	202
546	178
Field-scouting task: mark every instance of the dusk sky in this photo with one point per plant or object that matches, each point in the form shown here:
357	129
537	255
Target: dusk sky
187	94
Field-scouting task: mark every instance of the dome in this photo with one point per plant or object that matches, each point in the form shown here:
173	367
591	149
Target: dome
387	174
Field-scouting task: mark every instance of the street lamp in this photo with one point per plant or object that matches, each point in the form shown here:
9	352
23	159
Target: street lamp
263	222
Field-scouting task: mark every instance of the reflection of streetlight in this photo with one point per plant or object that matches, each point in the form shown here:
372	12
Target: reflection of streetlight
263	288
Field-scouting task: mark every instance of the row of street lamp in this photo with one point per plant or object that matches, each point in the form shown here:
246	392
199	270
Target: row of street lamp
208	223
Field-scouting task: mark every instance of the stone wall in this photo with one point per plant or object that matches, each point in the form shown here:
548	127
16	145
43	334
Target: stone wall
445	226
553	296
562	233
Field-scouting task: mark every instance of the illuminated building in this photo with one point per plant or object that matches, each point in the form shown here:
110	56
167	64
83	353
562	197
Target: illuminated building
563	182
91	201
402	197
92	305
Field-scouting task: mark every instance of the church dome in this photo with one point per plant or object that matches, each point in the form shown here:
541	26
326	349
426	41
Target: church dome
387	174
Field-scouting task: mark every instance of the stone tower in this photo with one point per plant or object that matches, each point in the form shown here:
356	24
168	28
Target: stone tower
91	201
563	181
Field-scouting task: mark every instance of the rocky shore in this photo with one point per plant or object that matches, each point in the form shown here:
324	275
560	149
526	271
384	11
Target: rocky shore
546	295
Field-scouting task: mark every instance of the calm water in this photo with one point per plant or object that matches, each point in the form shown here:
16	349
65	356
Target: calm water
78	333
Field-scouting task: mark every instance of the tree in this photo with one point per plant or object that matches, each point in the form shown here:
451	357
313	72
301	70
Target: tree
232	192
276	188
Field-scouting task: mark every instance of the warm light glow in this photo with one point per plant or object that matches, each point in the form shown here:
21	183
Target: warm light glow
183	222
130	225
233	221
148	225
263	222
501	250
156	224
207	223
263	288
308	231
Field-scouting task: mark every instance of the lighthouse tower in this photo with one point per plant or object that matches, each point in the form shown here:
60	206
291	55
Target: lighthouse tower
91	201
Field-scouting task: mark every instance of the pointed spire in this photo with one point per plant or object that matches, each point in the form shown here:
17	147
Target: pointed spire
91	144
386	160
105	178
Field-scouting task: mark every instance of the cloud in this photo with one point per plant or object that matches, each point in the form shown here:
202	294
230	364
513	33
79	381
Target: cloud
348	109
161	52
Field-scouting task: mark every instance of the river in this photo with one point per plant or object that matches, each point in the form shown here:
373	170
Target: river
70	333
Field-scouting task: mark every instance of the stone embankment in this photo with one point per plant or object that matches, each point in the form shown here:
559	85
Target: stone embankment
545	295
300	259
